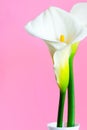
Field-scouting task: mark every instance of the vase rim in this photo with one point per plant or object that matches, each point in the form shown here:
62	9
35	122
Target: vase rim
54	124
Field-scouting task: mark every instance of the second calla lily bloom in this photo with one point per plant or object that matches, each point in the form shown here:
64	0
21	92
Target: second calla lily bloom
80	12
60	30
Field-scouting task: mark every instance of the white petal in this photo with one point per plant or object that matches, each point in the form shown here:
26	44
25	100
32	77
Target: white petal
80	12
42	26
52	23
56	45
61	67
81	34
51	49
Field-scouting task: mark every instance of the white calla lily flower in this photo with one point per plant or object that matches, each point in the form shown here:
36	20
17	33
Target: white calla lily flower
80	12
60	30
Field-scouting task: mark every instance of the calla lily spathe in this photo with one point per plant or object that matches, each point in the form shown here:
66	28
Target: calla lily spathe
61	67
80	12
60	30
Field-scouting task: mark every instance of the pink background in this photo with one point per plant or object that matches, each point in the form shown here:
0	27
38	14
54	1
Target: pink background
28	91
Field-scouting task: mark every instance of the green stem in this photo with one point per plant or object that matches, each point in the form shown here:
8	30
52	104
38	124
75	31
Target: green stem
61	109
71	96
